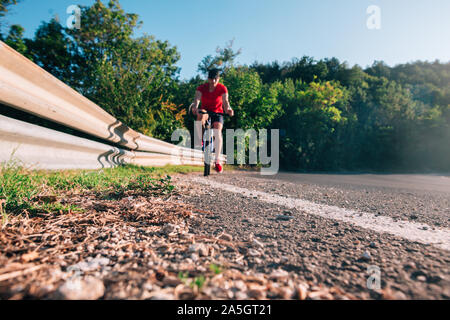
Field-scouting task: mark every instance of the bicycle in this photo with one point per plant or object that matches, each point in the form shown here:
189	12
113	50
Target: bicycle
208	141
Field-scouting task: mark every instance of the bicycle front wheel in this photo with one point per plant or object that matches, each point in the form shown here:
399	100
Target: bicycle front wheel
207	170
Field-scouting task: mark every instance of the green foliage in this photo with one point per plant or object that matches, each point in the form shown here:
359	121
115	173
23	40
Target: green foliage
224	59
312	117
393	118
15	39
255	104
4	9
52	50
198	282
216	269
183	276
4	4
131	78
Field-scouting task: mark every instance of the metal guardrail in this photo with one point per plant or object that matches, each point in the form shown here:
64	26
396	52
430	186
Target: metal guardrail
43	148
27	87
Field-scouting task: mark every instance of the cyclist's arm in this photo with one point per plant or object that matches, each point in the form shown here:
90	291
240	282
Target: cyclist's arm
195	104
226	104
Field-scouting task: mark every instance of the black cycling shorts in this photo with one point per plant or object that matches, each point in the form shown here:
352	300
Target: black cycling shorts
215	117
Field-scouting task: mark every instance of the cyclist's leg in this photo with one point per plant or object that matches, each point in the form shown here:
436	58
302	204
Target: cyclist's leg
218	139
198	128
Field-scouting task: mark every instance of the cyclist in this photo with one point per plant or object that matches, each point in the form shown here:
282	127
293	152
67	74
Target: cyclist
214	98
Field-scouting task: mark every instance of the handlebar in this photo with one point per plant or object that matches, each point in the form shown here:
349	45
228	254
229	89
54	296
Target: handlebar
203	111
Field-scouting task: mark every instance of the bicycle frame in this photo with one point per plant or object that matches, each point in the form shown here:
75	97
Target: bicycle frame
208	143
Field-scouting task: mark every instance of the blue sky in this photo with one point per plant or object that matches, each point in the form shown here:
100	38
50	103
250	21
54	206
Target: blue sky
269	30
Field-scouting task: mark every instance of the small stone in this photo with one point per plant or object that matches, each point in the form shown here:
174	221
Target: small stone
172	281
162	296
257	243
284	259
283	217
409	265
89	265
373	245
240	285
366	256
186	236
256	294
147	286
278	274
239	295
169	229
194	257
254	253
421	278
398	295
286	293
200	249
301	292
226	237
81	289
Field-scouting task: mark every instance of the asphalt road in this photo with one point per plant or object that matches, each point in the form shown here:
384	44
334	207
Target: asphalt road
333	227
439	183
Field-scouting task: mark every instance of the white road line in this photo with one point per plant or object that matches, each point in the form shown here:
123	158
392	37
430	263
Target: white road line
412	231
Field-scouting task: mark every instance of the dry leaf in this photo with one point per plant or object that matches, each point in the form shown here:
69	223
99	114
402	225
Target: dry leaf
29	256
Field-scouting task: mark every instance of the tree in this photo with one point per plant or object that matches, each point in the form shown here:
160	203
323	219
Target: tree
4	4
224	59
131	78
255	104
269	73
16	40
4	9
312	116
52	50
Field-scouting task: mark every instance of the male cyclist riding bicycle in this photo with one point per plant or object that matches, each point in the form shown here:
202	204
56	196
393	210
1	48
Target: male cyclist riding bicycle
213	97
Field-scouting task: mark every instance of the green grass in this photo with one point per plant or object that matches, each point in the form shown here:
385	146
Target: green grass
216	269
198	282
19	187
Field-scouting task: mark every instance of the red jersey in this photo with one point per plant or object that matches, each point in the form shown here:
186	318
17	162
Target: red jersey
212	101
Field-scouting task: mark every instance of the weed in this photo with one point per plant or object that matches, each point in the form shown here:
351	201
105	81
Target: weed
215	268
183	276
198	282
